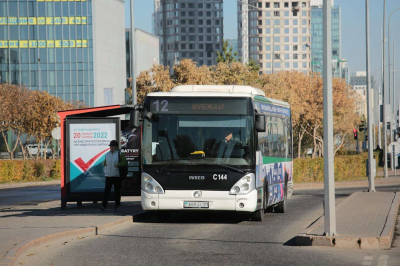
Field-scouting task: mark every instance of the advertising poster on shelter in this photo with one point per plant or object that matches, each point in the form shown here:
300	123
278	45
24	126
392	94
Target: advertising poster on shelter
88	146
130	145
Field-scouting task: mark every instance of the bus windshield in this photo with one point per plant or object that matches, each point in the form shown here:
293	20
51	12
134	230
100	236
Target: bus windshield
220	139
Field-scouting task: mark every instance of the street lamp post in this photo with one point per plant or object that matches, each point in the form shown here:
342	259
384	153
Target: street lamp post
394	66
393	101
329	175
385	170
133	56
312	56
371	161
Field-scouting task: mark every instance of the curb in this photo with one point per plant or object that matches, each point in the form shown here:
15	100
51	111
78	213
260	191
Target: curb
384	241
15	253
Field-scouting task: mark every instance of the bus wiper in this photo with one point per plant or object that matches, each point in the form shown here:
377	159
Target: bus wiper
165	166
228	167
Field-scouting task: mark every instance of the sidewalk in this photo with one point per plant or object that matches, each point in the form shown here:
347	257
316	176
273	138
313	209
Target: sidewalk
22	224
29	184
364	220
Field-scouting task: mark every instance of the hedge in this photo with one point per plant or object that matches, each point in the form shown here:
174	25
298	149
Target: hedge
347	168
29	170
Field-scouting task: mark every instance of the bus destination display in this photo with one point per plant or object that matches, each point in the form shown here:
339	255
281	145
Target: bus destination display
198	105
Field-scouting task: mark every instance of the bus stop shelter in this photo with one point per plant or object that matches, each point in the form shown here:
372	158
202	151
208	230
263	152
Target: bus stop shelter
85	136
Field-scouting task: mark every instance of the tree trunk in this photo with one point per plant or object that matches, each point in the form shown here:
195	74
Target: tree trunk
6	142
315	141
301	135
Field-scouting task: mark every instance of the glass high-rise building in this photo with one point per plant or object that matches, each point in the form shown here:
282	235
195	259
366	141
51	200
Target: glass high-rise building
72	49
317	41
189	29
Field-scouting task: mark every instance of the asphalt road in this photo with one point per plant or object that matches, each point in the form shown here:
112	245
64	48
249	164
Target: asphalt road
29	195
216	239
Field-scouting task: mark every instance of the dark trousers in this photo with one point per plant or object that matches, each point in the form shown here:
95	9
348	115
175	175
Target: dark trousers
110	181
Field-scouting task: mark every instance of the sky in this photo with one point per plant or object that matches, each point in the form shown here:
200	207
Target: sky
353	29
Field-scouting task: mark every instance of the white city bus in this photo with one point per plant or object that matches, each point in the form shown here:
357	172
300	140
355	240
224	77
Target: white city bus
208	147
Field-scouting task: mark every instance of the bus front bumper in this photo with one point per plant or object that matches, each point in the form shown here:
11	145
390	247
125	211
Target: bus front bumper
217	200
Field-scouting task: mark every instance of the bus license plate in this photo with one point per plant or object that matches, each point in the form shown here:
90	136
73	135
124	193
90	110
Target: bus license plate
195	204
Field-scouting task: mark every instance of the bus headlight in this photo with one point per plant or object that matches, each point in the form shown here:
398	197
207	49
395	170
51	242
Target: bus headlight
150	185
245	184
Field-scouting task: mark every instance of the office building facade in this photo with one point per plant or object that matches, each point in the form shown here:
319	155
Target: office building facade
72	49
189	29
317	41
278	33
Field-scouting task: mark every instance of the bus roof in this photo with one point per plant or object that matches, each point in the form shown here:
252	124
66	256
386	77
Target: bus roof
218	91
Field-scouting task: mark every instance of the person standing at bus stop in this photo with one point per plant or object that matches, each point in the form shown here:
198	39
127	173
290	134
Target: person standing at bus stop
112	163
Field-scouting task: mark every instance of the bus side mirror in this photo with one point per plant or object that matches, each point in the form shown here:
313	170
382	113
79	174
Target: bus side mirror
134	119
260	122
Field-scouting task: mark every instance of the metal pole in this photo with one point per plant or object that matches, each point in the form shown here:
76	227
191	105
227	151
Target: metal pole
393	101
329	175
133	56
371	169
40	76
385	170
273	45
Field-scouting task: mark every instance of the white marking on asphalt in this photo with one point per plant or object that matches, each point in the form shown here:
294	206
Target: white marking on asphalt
367	260
383	260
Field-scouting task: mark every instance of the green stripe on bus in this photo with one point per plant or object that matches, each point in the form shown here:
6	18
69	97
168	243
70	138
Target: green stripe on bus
262	99
267	160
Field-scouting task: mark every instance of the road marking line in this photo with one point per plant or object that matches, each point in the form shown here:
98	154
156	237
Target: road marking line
367	260
383	260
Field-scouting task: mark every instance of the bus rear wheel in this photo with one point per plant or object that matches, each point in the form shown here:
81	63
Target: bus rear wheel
281	207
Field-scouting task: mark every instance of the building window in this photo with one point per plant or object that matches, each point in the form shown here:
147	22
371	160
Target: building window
295	56
267	22
191	5
277	48
295	39
276	5
295	22
183	5
277	56
268	39
304	56
267	5
295	65
287	30
268	56
268	48
303	4
277	39
208	22
286	38
287	65
183	46
277	22
276	13
295	31
286	22
200	22
286	13
295	48
200	6
287	48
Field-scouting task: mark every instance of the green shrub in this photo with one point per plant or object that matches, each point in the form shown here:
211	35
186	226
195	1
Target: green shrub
39	169
27	171
55	172
347	167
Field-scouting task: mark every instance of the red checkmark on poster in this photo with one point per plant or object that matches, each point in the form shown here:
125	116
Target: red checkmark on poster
85	166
